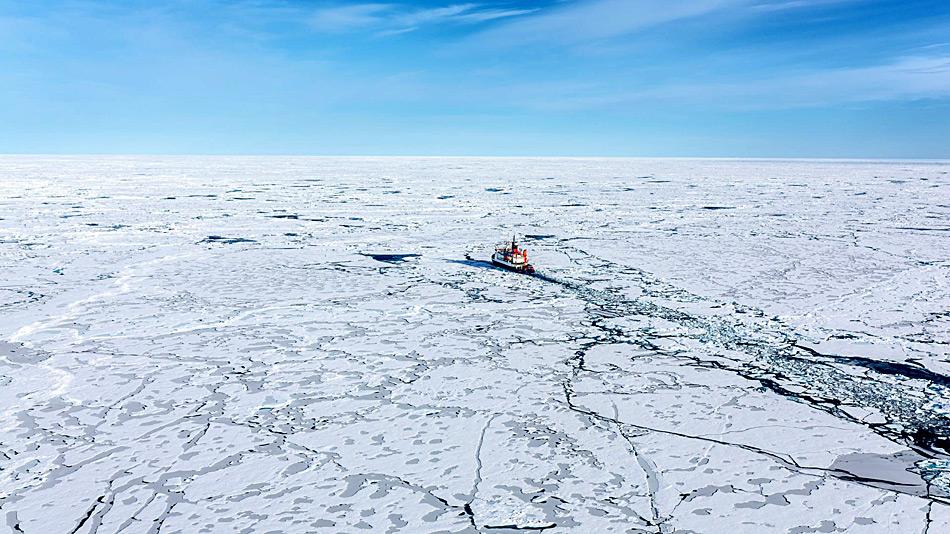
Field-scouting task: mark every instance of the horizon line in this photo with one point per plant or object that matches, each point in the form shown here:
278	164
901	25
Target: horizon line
469	156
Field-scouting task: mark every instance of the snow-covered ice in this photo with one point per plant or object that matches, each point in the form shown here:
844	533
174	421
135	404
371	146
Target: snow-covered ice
276	344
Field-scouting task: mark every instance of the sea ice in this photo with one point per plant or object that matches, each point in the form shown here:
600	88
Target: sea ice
227	344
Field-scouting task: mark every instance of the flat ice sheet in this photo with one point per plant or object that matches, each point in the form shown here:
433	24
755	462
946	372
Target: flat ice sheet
234	344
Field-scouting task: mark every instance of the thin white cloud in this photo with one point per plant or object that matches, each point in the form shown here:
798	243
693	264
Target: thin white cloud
598	19
785	5
907	78
393	19
595	21
902	79
492	14
436	14
348	18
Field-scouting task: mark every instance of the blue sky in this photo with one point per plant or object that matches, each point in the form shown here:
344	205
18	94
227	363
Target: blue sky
759	78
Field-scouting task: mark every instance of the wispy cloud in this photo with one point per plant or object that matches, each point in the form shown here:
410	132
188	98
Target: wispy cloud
598	19
393	19
348	18
906	78
784	5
